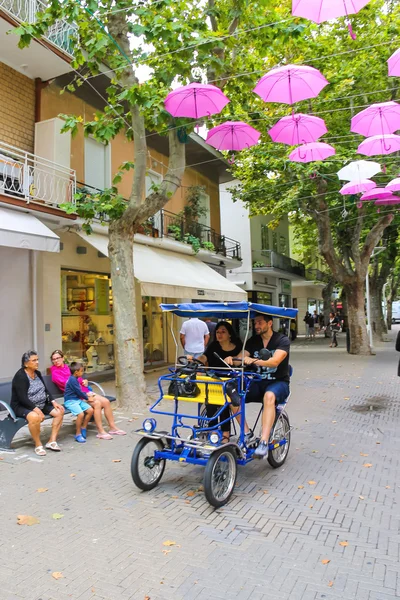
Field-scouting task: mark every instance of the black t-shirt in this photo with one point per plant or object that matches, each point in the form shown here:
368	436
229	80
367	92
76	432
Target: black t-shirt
278	341
213	361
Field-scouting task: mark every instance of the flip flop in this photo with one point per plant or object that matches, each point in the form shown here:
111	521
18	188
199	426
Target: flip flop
53	446
117	432
40	451
104	436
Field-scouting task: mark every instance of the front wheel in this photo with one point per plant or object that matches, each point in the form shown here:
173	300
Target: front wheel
146	470
220	476
280	431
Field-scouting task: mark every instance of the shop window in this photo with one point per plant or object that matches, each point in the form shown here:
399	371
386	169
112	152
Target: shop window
265	237
264	298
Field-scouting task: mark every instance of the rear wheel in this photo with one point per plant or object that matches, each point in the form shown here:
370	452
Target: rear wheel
220	476
145	469
280	431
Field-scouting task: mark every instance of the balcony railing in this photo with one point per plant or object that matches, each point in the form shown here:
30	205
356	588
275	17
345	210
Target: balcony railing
33	178
316	275
284	263
62	34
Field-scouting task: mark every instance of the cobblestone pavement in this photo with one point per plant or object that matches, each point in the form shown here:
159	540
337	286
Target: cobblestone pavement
325	525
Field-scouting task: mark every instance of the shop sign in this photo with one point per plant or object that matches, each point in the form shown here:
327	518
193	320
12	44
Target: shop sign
102	296
201	293
286	286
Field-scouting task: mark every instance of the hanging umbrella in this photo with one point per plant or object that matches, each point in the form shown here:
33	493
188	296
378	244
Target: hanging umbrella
233	135
359	170
379	144
312	152
195	100
290	84
394	64
394	185
377	119
388	201
325	10
378	193
357	187
298	129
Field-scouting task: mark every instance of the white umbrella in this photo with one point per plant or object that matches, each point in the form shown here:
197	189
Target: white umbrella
358	170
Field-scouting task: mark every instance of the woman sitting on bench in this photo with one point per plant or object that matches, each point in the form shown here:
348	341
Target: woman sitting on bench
31	401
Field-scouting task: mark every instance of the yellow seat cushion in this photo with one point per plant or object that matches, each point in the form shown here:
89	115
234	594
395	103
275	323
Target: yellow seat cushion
215	391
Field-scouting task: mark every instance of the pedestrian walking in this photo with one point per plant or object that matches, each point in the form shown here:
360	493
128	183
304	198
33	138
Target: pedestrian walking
194	336
306	321
334	327
211	329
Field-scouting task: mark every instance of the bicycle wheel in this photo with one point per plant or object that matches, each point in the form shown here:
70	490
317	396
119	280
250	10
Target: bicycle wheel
147	471
280	431
220	476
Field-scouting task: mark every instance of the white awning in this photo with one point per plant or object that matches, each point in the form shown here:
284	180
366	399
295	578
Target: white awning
23	230
172	275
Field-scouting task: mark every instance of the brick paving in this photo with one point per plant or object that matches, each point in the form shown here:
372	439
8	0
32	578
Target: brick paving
271	540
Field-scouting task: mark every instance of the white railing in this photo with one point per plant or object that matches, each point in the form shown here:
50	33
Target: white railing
62	34
33	178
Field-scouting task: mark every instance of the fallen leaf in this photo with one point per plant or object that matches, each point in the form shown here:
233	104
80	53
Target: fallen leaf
311	505
174	497
333	444
169	543
116	460
362	454
42	490
317	497
367	465
1	458
56	516
343	544
57	575
377	442
347	398
311	482
166	552
187	501
315	451
340	460
300	487
93	590
357	386
147	598
72	475
361	497
191	493
387	487
334	421
265	491
330	584
27	520
325	561
343	455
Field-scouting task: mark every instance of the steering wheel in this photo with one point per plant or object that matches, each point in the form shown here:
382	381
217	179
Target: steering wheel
184	361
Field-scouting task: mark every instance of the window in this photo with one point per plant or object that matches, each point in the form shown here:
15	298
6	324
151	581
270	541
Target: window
274	241
265	237
97	164
283	245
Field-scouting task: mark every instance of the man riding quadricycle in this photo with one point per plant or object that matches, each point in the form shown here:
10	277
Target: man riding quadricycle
218	385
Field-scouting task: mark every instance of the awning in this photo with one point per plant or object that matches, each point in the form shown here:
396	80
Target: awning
23	230
172	275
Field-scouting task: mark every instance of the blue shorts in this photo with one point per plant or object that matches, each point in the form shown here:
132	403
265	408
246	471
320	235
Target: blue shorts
76	406
258	388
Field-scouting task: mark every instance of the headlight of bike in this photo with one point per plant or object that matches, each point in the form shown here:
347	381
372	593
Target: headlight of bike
149	425
214	438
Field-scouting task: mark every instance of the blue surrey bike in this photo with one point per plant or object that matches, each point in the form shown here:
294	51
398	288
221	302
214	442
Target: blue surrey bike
194	437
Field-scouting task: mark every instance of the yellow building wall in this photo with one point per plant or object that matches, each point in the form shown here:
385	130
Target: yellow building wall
17	108
53	103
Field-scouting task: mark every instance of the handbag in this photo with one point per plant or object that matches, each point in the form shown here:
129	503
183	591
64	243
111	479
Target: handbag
185	387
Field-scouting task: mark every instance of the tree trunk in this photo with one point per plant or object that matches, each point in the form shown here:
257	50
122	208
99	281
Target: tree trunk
377	318
389	313
359	343
131	385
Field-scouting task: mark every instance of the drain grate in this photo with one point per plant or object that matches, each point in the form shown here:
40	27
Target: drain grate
375	403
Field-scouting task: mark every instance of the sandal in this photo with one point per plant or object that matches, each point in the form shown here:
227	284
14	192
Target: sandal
104	436
53	446
225	440
40	451
117	432
79	438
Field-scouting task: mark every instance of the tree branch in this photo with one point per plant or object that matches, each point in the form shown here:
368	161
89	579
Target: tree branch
371	241
355	246
213	20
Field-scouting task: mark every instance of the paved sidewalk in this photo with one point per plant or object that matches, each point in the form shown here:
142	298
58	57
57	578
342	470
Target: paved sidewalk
324	526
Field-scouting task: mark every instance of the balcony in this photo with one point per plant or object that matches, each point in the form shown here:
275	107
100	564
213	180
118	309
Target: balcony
29	177
273	260
316	275
62	34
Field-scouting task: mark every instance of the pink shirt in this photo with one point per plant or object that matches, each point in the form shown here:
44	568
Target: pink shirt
60	376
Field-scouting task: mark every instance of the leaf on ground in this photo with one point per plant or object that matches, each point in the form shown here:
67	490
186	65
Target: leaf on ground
377	442
317	497
174	497
311	482
191	493
343	544
326	561
147	598
340	460
336	495
315	451
343	455
265	491
1	458
334	421
330	584
93	590
72	475
361	497
367	465
116	460
169	543
57	575
363	454
166	552
300	487
333	444
27	520
347	398
56	516
387	487
42	490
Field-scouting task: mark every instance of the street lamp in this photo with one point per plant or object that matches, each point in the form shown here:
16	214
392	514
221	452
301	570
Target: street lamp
377	250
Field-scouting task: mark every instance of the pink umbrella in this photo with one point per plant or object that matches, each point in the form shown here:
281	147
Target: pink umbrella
394	64
378	193
380	144
388	201
394	185
325	10
233	135
290	84
377	119
195	100
357	187
312	152
298	129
